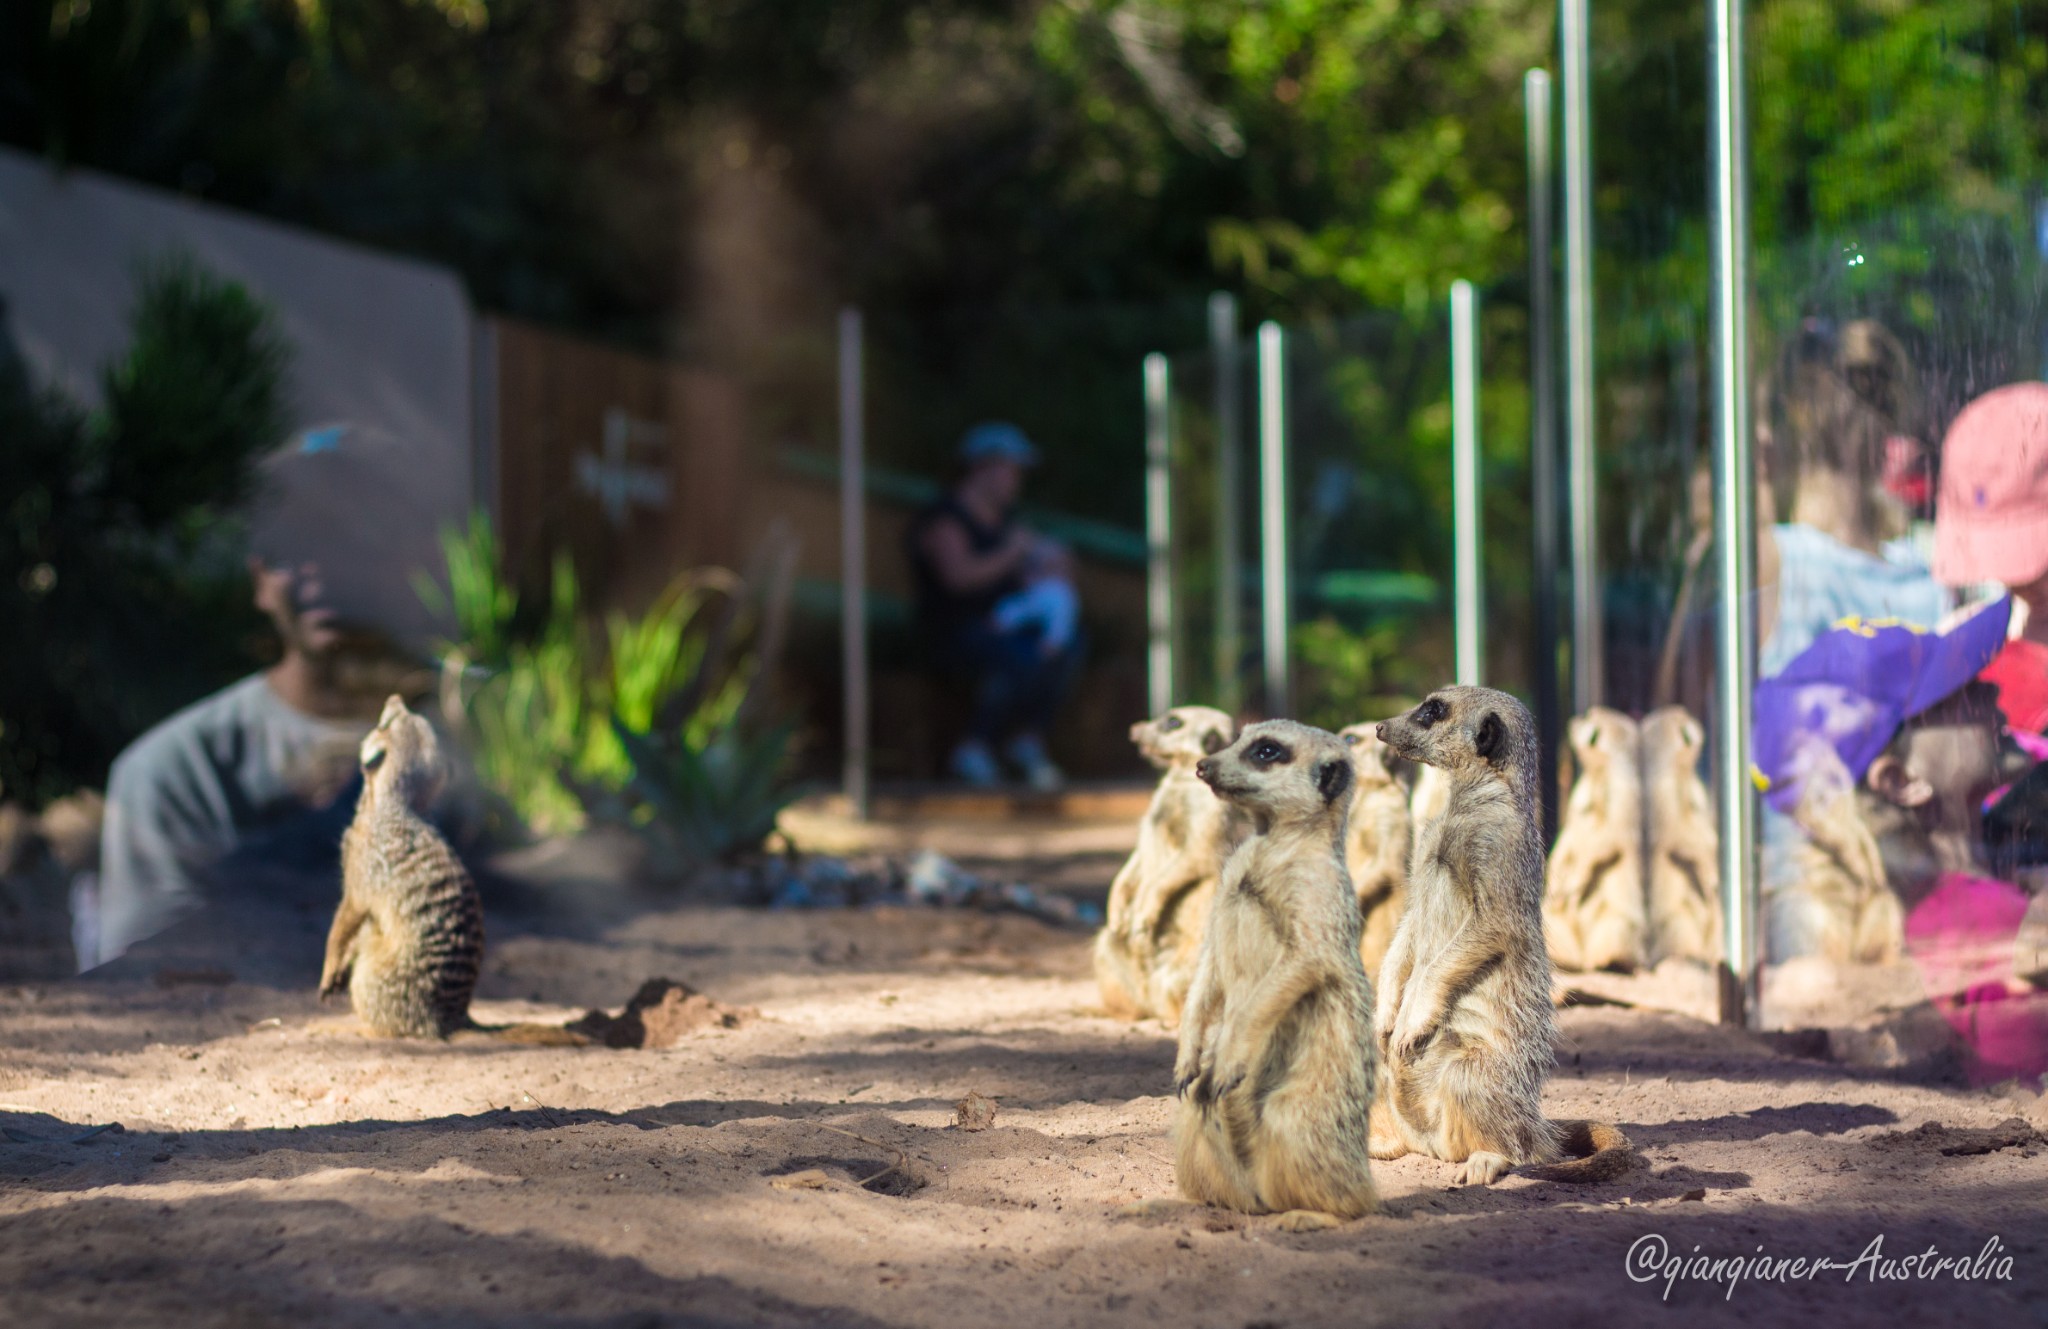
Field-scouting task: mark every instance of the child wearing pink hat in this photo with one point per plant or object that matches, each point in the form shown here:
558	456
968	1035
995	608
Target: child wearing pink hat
1991	524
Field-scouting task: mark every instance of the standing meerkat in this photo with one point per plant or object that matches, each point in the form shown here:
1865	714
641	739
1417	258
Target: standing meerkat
1275	1073
1376	843
408	939
1426	804
1146	952
1684	874
1465	1028
1593	908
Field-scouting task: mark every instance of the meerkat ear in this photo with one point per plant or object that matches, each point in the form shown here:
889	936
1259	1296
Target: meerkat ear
1333	780
1491	736
1213	742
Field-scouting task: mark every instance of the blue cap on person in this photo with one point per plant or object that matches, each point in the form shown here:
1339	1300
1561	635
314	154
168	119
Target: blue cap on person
1854	687
997	440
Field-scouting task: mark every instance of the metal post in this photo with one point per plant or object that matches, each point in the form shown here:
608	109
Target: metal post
853	592
1223	348
1587	647
1468	566
1273	514
1734	509
1158	535
1543	442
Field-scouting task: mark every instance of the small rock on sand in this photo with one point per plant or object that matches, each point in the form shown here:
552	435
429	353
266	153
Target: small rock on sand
976	1112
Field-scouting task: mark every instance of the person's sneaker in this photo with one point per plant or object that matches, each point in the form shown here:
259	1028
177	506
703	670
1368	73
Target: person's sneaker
973	764
1027	754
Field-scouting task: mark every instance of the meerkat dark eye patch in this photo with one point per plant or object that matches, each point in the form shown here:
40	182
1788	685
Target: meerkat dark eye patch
1431	712
1170	723
1491	738
373	759
1333	780
1266	752
1213	742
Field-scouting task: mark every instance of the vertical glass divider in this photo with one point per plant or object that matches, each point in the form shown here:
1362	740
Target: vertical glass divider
1587	628
1229	644
853	594
1468	572
1273	535
1536	95
1158	536
1734	509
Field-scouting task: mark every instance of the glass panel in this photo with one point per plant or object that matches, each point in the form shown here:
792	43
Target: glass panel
1368	517
1895	160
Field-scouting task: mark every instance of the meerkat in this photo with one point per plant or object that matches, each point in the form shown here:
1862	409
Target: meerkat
1427	802
1159	903
1464	1030
408	939
1276	1068
1684	896
1593	907
1376	843
1836	899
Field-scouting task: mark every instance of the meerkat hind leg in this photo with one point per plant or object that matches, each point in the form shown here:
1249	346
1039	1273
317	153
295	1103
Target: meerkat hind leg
1385	1140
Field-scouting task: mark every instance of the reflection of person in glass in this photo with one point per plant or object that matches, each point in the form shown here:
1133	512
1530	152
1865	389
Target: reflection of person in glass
1991	525
269	757
996	604
1840	437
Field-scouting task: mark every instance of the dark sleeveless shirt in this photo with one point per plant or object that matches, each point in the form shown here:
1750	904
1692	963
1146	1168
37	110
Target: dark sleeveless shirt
941	610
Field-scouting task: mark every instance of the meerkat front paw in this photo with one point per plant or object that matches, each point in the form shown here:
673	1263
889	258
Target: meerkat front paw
1384	1020
1483	1169
1409	1037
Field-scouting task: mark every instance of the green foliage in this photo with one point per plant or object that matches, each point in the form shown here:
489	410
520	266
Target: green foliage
715	799
194	401
125	594
1894	164
480	600
1349	676
533	714
563	718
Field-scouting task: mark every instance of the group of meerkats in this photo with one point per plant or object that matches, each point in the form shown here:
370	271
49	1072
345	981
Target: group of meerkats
1635	878
1282	875
1273	867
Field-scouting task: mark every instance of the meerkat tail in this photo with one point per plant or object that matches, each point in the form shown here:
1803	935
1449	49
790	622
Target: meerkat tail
1599	1152
529	1034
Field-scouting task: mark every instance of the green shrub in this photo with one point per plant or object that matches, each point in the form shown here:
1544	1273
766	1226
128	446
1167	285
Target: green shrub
713	800
124	593
640	722
1353	675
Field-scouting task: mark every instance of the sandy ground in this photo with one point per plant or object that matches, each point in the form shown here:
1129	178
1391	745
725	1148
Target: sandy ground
276	1167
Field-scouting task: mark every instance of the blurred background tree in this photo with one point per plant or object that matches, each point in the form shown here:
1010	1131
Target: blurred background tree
126	593
1026	195
1062	181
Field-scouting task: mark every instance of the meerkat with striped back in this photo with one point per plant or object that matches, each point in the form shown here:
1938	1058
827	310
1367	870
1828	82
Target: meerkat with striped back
1275	1072
1376	842
407	941
1684	896
1593	906
1151	935
1465	1029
